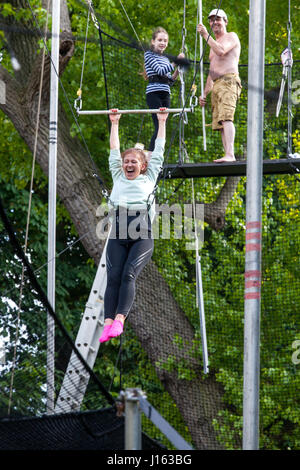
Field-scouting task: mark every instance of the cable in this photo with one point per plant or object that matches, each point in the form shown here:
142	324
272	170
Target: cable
131	25
97	25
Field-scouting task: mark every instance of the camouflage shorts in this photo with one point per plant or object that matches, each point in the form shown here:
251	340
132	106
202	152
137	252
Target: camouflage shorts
225	93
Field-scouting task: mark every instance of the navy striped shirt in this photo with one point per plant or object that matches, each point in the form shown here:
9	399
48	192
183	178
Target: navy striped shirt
156	64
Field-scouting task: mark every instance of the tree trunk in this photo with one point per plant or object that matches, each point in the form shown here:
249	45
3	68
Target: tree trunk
155	317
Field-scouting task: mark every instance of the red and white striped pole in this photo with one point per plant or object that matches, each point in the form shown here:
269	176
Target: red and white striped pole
252	301
253	276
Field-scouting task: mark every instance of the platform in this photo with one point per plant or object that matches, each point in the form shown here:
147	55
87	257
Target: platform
239	168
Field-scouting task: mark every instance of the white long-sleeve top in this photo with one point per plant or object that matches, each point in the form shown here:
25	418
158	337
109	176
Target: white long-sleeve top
134	194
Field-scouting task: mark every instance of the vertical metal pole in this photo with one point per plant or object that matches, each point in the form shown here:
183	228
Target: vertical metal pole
253	225
199	287
201	75
52	200
133	428
201	313
290	62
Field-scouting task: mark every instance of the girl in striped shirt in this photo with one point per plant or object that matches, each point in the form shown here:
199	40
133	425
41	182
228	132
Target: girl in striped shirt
160	74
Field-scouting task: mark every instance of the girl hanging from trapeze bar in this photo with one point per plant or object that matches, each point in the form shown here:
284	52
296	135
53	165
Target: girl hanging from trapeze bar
130	243
160	73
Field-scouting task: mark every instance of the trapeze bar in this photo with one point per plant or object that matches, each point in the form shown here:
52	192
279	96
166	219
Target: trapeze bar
139	111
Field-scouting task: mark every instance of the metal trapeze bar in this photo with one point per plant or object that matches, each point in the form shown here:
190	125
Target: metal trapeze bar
139	111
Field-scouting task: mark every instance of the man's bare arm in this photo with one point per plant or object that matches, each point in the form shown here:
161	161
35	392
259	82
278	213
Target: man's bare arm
220	49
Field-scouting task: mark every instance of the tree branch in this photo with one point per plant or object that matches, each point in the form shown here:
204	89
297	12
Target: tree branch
214	213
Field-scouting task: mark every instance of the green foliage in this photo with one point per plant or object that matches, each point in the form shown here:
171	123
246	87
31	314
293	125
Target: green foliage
222	260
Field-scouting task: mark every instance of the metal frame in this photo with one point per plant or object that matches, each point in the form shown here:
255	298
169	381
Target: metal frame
135	401
53	116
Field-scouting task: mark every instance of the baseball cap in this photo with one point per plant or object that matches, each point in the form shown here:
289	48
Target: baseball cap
216	12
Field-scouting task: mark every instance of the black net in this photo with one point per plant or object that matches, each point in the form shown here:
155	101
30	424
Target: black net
205	408
90	430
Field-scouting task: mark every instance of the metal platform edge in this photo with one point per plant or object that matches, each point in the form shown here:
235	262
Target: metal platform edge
238	168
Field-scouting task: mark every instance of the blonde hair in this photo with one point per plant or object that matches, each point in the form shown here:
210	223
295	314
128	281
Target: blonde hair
140	154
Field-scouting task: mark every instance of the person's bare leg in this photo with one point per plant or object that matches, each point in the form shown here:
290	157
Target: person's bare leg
228	136
223	140
109	321
120	317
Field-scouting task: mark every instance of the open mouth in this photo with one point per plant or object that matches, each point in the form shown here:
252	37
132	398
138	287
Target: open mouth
130	172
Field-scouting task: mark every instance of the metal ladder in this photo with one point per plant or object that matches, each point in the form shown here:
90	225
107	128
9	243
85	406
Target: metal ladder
87	342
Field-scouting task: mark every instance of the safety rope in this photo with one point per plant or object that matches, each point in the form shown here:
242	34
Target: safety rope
78	101
199	20
290	116
130	22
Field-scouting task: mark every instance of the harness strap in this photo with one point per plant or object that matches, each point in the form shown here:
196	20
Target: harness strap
161	79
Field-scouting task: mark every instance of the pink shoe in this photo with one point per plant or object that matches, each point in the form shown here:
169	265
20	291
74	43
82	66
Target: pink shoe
105	334
116	329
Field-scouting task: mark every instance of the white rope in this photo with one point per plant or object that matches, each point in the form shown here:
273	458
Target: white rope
201	75
78	100
199	288
286	58
93	14
132	25
182	115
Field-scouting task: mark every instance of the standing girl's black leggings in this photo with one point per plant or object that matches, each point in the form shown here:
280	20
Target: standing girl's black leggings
156	100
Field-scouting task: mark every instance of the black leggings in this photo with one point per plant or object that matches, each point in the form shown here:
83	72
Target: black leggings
125	259
156	100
